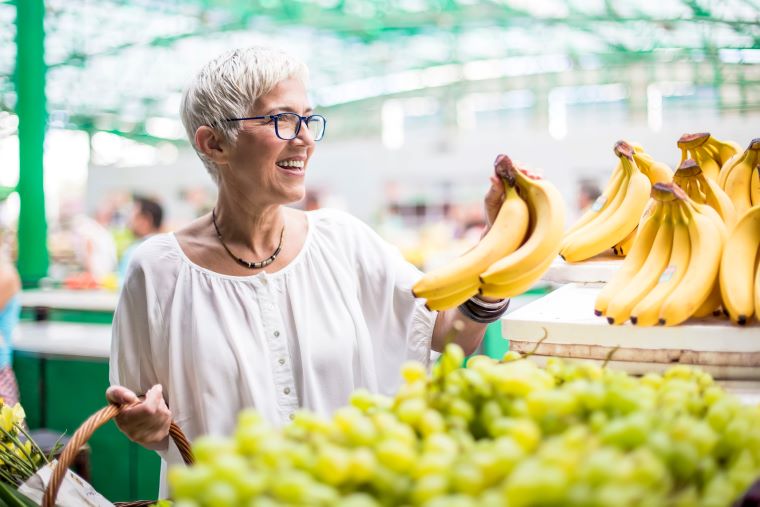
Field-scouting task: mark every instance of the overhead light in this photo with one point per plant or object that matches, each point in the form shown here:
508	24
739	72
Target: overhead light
164	128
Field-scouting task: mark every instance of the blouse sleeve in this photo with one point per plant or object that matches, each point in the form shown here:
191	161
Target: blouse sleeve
401	326
133	334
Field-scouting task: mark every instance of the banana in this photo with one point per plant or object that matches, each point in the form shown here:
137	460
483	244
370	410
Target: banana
635	258
706	247
604	201
757	291
517	286
598	236
647	310
737	267
506	234
691	179
707	163
738	178
547	218
703	151
657	172
726	168
452	300
712	304
622	248
620	306
725	149
754	191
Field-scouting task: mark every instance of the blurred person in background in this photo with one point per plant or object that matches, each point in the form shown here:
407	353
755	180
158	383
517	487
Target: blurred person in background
588	193
10	308
144	221
258	304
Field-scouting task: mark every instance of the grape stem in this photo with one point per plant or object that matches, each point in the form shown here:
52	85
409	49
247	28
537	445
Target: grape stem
609	355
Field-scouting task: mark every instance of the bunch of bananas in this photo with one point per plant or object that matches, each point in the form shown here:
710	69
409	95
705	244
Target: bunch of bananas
521	244
671	272
615	215
739	273
710	153
740	178
690	177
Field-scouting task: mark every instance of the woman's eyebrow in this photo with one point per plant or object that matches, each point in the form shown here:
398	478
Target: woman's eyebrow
287	109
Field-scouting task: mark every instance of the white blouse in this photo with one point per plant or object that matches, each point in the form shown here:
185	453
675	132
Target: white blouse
339	317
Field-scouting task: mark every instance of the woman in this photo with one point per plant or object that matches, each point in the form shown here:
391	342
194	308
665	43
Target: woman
257	304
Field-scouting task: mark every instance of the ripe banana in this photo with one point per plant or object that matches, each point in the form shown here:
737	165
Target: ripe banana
506	234
755	186
519	285
642	282
691	179
610	198
657	172
706	247
757	291
737	180
712	304
612	226
647	310
622	248
710	153
725	149
452	300
634	260
547	218
738	265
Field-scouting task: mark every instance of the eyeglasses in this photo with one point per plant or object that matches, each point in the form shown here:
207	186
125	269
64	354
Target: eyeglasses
288	125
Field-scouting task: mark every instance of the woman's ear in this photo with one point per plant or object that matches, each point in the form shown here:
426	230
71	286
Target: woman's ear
211	144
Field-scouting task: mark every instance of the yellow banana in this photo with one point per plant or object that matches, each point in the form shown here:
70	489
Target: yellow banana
620	306
726	168
547	218
702	190
737	267
506	234
622	248
725	149
757	291
634	260
647	310
755	186
704	150
604	201
706	247
517	286
707	163
738	179
595	238
712	304
452	300
657	172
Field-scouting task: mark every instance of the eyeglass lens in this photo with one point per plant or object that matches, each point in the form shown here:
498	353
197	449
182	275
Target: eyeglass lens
288	125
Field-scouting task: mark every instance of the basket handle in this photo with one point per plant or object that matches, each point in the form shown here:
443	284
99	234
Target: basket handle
83	434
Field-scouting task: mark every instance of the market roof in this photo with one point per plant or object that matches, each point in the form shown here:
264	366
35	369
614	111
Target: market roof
121	65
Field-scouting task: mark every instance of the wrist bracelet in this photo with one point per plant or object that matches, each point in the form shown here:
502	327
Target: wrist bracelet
483	312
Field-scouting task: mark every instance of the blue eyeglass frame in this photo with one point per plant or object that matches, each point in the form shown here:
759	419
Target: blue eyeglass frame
276	118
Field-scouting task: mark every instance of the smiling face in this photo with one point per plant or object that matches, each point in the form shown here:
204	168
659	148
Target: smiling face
260	164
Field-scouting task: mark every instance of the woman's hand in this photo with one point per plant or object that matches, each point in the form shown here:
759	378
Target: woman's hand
146	423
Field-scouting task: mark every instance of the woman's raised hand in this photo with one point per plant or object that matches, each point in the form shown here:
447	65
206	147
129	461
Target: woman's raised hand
146	423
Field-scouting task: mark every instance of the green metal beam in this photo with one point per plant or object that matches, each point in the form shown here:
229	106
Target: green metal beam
30	86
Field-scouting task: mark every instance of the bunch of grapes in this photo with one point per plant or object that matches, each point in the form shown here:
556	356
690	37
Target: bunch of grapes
494	434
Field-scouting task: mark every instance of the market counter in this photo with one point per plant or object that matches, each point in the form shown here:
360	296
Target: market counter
62	370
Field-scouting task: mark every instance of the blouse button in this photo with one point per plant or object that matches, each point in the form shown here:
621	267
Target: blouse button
286	390
281	360
276	334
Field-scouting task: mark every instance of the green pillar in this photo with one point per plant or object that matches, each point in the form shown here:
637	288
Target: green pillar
31	109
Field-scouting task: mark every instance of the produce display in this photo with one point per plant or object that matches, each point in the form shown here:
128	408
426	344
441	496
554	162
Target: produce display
671	272
740	178
615	214
493	434
710	153
739	273
513	255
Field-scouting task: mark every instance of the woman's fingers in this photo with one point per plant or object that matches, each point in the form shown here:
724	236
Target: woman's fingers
120	395
494	198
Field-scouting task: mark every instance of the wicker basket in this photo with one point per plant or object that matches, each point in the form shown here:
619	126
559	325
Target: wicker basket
83	434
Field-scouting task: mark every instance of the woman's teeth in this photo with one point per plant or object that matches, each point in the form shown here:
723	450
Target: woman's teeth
291	163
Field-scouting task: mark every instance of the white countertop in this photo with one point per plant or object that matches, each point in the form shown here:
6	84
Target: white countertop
66	299
64	339
599	269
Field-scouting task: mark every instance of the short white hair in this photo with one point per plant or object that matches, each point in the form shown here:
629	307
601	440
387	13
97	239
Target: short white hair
228	86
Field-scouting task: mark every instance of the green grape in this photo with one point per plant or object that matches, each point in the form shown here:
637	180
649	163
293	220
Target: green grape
480	363
357	500
333	465
410	411
524	431
396	454
718	492
467	478
433	463
736	433
477	383
684	459
451	501
413	371
429	487
551	403
292	486
533	482
627	432
441	443
452	358
219	494
431	422
208	448
363	465
188	483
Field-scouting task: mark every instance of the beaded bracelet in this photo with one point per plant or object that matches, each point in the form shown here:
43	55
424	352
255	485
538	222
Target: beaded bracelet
483	312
